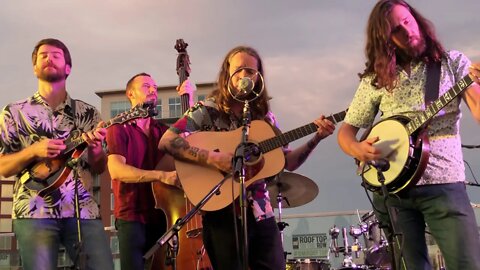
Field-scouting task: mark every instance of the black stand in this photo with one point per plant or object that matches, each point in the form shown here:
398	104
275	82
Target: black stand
172	233
281	225
172	251
392	232
80	260
242	154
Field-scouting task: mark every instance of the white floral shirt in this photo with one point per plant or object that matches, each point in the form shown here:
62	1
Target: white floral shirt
27	121
445	164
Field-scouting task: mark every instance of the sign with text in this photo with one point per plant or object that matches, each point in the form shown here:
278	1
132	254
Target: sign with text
310	245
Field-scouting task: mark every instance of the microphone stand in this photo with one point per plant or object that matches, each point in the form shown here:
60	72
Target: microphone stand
173	231
79	261
392	232
240	172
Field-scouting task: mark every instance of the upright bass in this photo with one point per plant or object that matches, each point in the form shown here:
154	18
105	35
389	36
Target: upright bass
174	203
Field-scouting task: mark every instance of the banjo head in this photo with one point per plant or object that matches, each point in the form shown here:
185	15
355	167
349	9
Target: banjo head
394	143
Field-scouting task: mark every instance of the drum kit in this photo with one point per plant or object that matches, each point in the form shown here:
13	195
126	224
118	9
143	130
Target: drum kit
292	190
374	250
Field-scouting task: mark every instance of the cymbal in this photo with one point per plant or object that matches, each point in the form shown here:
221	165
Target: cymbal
296	190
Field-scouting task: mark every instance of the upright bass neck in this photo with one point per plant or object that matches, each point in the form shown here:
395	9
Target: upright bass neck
183	71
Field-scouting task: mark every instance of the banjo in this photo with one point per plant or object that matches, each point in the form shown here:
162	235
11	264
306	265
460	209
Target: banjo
404	144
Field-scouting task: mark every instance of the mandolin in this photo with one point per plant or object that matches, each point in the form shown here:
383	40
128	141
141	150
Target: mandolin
49	174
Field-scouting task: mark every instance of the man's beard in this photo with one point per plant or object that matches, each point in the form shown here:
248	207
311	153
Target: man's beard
51	77
412	53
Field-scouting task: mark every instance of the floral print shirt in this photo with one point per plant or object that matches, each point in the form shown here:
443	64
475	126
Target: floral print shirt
445	164
206	117
27	121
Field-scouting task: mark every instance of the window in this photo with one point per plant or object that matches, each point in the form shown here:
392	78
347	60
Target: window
5	242
6	207
112	201
112	221
114	246
6	225
7	190
96	194
201	97
96	180
159	109
174	107
118	107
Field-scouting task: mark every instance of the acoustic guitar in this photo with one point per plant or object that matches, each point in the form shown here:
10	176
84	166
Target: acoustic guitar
263	148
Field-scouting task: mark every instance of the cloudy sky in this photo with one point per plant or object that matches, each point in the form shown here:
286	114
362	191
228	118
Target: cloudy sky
312	51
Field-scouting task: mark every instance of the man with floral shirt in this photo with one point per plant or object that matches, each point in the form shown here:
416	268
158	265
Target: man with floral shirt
401	44
35	130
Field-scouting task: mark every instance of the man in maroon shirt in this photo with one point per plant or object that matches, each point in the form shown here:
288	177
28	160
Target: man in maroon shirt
133	156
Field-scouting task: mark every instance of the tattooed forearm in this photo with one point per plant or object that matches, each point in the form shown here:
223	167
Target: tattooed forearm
193	151
178	145
311	145
180	148
303	156
306	151
203	156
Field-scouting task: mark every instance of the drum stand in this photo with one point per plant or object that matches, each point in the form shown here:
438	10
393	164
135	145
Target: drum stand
281	225
346	249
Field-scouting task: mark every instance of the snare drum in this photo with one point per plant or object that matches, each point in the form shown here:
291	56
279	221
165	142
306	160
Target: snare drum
307	264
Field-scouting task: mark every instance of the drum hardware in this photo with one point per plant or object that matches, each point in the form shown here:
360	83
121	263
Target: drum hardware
334	232
355	232
376	246
307	264
346	249
281	225
295	189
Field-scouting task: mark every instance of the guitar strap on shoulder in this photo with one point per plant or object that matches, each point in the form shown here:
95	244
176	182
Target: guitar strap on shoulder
73	104
433	82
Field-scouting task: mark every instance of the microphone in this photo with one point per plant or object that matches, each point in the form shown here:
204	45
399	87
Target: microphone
245	85
380	164
472	184
470	146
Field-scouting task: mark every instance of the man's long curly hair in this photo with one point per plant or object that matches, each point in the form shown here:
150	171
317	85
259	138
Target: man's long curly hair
260	106
380	50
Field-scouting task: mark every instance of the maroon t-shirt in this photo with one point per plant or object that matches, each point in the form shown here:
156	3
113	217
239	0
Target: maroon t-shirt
135	201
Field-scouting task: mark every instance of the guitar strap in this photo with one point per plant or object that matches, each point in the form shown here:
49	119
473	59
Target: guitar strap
73	104
433	82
